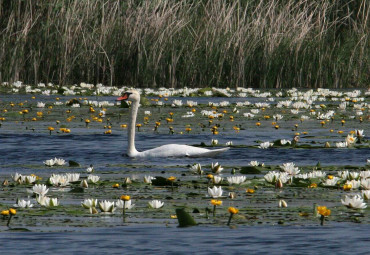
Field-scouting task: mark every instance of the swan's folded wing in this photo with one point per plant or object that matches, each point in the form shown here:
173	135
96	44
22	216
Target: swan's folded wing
180	150
209	153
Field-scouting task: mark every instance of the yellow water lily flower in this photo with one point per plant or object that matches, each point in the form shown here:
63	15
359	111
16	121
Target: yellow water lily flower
324	211
5	212
216	202
125	197
233	210
12	211
250	191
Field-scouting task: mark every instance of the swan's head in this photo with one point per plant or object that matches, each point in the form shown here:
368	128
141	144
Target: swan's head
131	95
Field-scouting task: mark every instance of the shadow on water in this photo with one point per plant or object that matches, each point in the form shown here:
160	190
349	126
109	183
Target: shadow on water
331	239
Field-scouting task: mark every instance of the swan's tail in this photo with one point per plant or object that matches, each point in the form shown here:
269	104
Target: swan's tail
209	154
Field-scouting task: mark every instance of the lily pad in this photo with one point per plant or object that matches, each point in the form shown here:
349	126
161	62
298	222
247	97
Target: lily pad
184	218
73	163
251	170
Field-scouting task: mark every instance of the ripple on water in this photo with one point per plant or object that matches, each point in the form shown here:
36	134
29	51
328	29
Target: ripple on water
331	239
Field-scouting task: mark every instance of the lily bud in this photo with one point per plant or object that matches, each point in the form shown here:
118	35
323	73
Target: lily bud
93	210
282	203
278	184
84	184
127	180
5	183
232	195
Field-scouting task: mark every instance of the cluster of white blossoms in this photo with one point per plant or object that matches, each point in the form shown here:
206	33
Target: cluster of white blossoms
55	162
351	180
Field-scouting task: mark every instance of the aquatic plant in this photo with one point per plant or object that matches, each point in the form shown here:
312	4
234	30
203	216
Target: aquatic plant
215	203
282	204
106	206
324	212
232	211
215	192
21	203
216	168
156	204
354	201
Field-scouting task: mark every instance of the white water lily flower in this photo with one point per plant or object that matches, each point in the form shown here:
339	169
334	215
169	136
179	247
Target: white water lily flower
236	179
265	145
43	200
215	192
350	139
302	176
290	168
331	182
272	177
282	203
365	174
365	184
93	178
90	169
341	145
366	194
284	142
248	115
229	143
53	202
23	204
214	142
316	174
59	162
73	177
359	133
30	179
148	179
217	179
156	204
54	179
107	206
40	105
216	168
343	174
354	175
356	202
277	117
63	181
59	180
354	184
89	203
40	189
254	163
16	177
197	169
49	162
128	204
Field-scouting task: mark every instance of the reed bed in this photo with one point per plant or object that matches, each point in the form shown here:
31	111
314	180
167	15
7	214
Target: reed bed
165	43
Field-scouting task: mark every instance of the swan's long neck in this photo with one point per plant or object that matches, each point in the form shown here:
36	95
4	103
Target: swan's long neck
131	151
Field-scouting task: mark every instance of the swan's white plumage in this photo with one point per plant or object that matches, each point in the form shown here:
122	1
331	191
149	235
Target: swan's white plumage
169	150
178	150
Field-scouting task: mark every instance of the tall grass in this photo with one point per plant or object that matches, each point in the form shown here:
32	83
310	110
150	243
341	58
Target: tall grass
194	43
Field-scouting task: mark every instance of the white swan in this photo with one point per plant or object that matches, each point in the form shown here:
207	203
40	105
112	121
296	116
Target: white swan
169	150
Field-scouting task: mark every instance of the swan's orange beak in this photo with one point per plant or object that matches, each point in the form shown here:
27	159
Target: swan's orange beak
124	97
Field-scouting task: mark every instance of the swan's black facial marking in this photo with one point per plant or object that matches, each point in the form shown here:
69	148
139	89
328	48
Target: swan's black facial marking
124	97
